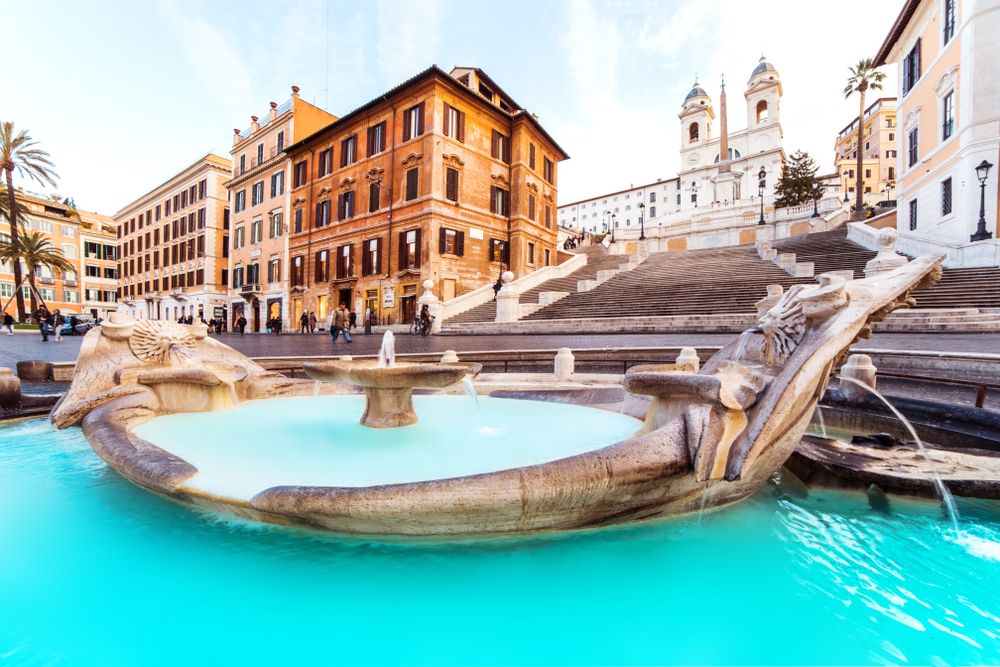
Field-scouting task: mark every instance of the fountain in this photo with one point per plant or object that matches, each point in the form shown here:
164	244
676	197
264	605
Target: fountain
389	386
709	438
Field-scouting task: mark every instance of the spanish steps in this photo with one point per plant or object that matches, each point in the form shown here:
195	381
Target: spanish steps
729	281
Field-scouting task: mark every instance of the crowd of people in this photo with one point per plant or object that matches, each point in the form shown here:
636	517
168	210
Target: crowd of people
574	241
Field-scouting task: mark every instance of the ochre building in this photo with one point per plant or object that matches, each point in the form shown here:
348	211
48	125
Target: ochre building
878	154
444	177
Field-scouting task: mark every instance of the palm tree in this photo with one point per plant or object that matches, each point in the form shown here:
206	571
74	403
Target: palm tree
863	76
18	152
36	251
22	210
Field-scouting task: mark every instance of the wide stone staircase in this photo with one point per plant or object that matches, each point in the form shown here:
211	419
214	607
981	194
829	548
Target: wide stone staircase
716	289
598	259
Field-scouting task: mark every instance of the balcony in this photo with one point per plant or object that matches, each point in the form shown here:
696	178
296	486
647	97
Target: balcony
251	289
70	282
46	280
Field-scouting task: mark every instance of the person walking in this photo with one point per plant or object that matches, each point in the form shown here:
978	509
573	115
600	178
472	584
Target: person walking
340	322
42	317
8	322
57	324
352	320
304	323
312	322
241	324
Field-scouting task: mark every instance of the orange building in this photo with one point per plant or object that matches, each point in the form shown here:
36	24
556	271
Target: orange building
878	154
261	205
444	177
64	227
173	245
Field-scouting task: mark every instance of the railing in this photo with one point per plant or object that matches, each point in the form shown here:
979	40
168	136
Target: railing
981	387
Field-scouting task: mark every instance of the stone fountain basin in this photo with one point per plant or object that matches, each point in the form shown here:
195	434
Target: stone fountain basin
367	373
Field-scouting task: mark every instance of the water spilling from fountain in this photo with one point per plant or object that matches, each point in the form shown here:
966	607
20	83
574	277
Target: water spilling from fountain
387	352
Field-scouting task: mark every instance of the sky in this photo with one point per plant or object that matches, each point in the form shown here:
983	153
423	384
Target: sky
124	95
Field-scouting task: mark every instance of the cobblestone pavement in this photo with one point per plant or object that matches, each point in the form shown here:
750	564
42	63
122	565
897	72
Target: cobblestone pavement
30	345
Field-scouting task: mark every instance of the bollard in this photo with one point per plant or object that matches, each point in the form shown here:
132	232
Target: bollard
688	357
10	389
859	367
449	357
564	364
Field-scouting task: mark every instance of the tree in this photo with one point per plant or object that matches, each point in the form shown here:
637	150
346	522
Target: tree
22	210
863	77
797	184
19	152
36	251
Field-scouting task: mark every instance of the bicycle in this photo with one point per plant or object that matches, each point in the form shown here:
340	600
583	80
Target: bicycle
420	327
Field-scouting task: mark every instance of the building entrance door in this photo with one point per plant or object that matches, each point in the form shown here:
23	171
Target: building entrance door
255	316
409	306
344	297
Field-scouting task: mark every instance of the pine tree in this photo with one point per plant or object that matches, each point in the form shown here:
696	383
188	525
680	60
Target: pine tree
798	184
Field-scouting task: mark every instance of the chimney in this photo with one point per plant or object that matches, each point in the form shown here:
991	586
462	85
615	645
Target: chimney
295	91
236	135
254	125
274	110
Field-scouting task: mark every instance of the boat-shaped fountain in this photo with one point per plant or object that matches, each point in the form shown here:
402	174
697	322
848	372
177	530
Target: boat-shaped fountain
709	438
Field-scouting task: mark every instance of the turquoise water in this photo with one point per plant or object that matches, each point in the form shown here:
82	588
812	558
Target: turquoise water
94	571
317	441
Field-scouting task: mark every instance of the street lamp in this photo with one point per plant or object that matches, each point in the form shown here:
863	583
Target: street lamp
888	191
761	176
614	223
982	171
642	228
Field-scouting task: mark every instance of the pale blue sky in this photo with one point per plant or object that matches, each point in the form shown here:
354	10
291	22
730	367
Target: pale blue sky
125	94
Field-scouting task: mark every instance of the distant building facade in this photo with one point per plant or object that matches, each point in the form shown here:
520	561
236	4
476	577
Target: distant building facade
594	215
173	245
98	265
948	65
444	177
66	228
878	153
260	197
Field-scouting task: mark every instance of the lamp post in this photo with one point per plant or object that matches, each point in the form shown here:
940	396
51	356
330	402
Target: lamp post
887	190
982	171
642	228
761	176
614	223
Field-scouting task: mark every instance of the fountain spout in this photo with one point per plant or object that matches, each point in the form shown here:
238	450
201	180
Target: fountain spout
387	353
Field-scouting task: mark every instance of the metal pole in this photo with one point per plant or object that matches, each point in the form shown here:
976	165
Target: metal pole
981	233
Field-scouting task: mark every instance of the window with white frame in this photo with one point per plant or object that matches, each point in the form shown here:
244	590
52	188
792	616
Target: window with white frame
948	115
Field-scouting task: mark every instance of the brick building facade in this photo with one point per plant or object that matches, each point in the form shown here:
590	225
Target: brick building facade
443	177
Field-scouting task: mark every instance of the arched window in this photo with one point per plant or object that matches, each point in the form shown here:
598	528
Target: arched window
762	111
693	132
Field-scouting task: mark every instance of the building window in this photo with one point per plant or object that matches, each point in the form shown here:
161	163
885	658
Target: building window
499	201
549	170
498	250
321	267
243	166
322	213
238	239
948	116
240	202
949	20
652	211
531	252
868	173
298	277
411	183
274	270
298	221
349	150
911	68
409	249
281	141
693	133
548	217
913	146
374	196
762	112
531	207
451	242
345	205
500	147
946	196
376	139
260	153
277	184
652	197
454	123
531	156
892	171
325	162
345	268
413	122
451	184
371	257
548	257
276	225
257	193
913	214
301	174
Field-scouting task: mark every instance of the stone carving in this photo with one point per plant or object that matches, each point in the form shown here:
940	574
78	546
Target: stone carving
887	258
709	438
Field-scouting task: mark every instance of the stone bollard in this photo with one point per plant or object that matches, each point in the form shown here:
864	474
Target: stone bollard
859	367
887	258
449	357
689	357
34	371
564	365
508	306
433	305
10	390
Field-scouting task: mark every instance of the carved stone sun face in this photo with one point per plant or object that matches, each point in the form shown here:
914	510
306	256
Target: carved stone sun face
161	342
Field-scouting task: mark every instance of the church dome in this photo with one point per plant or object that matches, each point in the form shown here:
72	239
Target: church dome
696	91
763	67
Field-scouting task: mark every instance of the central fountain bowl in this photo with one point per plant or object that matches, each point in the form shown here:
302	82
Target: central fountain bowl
389	389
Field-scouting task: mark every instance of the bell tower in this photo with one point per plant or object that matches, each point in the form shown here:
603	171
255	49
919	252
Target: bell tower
763	95
696	116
